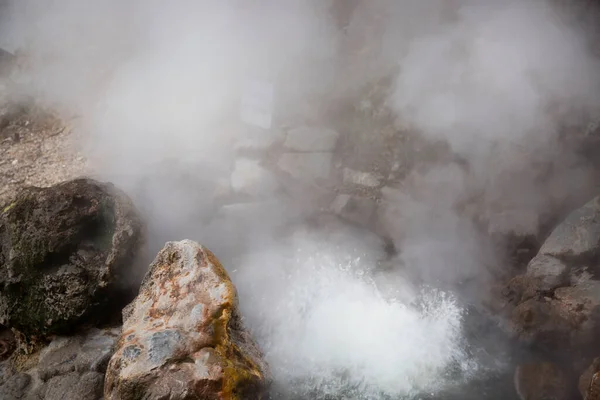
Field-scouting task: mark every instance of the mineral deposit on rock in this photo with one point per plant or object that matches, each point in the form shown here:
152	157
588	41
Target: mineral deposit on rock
182	336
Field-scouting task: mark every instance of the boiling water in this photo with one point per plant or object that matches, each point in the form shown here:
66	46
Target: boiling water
332	329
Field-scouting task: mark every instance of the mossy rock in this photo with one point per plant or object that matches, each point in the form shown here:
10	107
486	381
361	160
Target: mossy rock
64	253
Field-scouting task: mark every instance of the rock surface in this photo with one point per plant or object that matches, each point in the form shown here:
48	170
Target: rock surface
541	381
182	336
64	251
557	300
589	382
70	368
578	236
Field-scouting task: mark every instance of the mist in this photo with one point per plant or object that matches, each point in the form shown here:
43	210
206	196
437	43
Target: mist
152	90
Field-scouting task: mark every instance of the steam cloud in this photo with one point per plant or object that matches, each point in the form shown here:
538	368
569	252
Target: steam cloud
156	87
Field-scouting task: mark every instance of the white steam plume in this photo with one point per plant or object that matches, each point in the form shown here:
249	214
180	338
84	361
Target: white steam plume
156	86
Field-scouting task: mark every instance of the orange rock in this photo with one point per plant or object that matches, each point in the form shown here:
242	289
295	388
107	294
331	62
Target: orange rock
182	335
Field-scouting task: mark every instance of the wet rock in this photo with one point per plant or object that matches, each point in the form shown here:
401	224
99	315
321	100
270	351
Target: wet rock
541	381
557	301
359	210
311	139
544	275
306	166
64	253
589	382
250	178
578	236
182	336
361	178
568	321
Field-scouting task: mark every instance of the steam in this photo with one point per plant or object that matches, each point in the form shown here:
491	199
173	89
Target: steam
331	327
156	88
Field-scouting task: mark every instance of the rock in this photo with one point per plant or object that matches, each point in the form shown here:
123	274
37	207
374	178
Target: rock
589	382
250	178
541	381
557	301
359	210
7	343
578	236
306	166
183	337
311	139
16	387
69	368
64	254
551	272
361	178
80	354
544	275
568	321
74	386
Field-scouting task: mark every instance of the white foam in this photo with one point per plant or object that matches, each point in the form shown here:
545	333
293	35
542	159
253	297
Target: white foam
326	328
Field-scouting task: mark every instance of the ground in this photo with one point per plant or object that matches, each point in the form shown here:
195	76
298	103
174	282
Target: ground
36	149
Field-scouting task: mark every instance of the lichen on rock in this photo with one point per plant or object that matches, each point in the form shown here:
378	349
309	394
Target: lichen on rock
182	336
64	253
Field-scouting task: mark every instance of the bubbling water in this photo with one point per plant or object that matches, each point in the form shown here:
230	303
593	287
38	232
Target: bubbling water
328	330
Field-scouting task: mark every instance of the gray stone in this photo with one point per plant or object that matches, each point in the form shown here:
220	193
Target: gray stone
578	235
549	272
16	387
359	210
307	166
311	139
74	386
250	178
78	353
361	178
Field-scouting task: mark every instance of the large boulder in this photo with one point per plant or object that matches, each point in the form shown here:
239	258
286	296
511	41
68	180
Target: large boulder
65	252
556	302
183	337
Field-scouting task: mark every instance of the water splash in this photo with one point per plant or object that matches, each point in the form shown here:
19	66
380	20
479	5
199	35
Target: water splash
328	331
